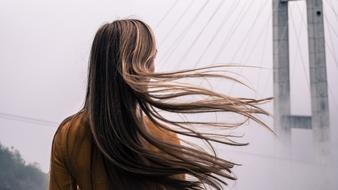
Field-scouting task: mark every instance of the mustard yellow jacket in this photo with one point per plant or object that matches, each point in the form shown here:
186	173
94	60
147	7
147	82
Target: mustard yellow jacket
73	167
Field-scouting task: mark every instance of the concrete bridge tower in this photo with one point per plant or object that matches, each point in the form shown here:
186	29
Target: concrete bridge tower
319	119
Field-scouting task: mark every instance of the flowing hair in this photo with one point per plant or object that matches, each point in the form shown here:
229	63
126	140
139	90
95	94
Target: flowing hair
123	89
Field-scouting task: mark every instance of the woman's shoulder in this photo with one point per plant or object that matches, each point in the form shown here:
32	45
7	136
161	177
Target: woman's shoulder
161	132
71	128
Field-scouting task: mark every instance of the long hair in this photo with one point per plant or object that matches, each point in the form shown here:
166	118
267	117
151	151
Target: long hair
123	89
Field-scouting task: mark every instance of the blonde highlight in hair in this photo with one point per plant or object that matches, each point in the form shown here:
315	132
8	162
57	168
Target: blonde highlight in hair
123	89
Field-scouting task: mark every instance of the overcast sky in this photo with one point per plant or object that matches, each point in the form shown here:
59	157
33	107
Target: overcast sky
44	49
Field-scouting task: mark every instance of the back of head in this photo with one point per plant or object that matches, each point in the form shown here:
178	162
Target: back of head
123	89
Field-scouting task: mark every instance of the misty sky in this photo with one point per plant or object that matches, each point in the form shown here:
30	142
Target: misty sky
44	50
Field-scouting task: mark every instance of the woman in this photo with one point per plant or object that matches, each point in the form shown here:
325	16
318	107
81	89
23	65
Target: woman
119	140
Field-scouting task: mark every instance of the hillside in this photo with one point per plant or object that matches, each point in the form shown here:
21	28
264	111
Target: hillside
15	174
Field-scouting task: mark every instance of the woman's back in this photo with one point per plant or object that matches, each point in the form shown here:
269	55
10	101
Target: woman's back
75	159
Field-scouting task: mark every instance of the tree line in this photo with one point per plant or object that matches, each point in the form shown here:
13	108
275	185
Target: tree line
16	174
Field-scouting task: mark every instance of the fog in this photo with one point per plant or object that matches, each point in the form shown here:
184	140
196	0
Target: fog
44	50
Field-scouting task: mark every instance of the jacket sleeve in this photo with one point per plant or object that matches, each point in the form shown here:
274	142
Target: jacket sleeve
59	176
